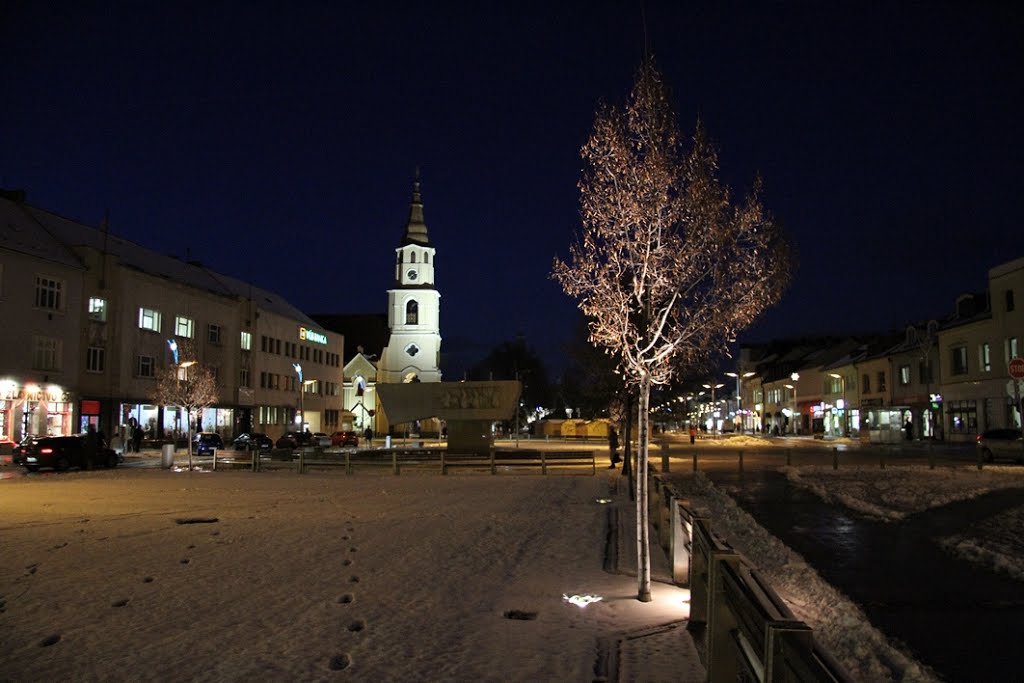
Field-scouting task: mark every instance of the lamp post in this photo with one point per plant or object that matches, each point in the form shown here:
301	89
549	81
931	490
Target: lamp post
712	387
841	378
796	405
302	400
739	391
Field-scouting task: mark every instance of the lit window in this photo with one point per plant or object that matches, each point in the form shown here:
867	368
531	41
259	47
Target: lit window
145	366
1011	348
149	319
184	327
49	293
46	353
97	309
985	357
246	341
904	375
213	334
94	359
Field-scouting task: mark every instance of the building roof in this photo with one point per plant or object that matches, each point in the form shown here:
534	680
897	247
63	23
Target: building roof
416	228
38	228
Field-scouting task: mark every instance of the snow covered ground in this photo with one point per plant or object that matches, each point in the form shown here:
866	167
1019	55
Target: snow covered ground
175	576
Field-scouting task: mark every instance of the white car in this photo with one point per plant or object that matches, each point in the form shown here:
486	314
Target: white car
321	440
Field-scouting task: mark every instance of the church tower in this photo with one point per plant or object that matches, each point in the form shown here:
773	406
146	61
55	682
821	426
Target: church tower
413	352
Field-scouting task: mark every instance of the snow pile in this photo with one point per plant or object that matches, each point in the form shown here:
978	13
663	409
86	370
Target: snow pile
893	493
838	623
997	543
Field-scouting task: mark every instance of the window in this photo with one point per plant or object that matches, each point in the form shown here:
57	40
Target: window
412	257
412	349
97	309
247	341
426	257
412	313
1009	300
277	346
865	383
149	319
49	293
46	353
963	416
881	380
904	375
94	359
145	366
958	360
924	371
243	377
263	343
985	357
1010	347
213	333
184	327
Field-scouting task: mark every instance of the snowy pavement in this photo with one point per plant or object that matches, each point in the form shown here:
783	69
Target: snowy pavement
148	574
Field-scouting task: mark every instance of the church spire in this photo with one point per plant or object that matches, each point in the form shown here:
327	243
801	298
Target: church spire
416	230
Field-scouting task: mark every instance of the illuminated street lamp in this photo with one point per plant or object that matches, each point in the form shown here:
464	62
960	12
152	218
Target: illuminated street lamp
796	405
712	387
302	401
739	391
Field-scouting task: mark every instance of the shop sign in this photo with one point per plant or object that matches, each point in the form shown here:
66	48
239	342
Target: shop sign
312	336
90	407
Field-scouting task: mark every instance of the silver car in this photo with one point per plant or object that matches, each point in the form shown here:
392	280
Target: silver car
1005	444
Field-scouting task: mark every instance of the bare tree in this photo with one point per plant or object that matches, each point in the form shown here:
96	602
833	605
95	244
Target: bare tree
667	267
188	386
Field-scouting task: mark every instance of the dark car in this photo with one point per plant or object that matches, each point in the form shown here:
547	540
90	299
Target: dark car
205	443
63	453
295	440
245	442
344	439
1000	443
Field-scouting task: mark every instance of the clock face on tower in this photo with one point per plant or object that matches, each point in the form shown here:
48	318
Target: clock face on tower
411	275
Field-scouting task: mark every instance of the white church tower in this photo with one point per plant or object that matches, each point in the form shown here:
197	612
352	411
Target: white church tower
413	352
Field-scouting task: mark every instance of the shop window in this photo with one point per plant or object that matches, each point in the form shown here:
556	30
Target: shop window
46	353
213	333
97	309
904	375
963	417
246	341
95	357
865	382
49	293
145	366
958	360
412	313
985	357
184	327
149	319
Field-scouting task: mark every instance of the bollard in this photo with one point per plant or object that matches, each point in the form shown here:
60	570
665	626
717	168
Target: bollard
980	463
789	457
302	461
664	456
255	458
931	457
214	459
741	460
835	458
881	460
695	461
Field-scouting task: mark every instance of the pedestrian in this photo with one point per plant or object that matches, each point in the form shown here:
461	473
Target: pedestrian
91	447
908	427
136	437
613	447
693	433
368	435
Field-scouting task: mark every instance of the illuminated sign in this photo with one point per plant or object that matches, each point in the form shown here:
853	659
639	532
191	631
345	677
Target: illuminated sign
310	335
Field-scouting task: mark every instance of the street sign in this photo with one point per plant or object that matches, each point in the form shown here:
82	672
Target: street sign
1016	367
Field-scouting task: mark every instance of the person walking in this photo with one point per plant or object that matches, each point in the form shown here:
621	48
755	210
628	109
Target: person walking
613	447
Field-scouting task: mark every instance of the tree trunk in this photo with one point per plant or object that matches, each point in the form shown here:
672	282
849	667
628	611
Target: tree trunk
188	416
643	546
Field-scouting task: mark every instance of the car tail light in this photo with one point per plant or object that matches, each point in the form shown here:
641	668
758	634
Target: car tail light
46	451
978	438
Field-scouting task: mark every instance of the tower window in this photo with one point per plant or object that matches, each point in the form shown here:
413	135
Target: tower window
412	314
412	257
426	257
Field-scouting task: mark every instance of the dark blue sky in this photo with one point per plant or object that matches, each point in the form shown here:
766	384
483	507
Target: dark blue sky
277	141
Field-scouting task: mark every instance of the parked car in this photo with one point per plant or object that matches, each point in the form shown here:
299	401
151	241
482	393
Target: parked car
295	440
63	453
204	443
245	442
19	451
344	439
322	440
1000	443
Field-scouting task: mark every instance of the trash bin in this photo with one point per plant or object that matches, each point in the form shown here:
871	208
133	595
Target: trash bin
167	456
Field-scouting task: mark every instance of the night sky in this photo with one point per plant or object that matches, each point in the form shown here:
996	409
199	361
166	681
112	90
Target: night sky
277	142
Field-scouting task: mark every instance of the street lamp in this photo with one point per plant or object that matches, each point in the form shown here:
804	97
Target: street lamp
302	401
712	387
796	404
739	390
841	378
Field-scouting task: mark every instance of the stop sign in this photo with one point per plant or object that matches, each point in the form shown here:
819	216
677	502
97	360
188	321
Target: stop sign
1017	368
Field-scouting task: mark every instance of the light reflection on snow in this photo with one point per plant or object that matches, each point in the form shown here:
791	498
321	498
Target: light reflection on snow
581	601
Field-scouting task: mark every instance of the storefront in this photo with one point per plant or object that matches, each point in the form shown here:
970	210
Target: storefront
28	409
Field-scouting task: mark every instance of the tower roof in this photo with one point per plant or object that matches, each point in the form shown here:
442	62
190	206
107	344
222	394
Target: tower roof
416	230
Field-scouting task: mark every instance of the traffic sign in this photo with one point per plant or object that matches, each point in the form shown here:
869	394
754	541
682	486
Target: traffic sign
1016	367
